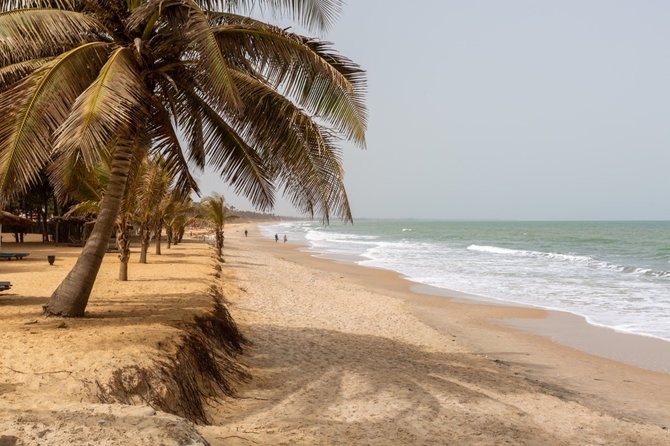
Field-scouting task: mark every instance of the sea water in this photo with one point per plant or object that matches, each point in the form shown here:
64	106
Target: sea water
615	274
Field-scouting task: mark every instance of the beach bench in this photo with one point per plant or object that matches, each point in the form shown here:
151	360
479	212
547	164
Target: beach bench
4	286
13	255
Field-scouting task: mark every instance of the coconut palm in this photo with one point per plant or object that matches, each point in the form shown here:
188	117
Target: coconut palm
81	80
214	212
174	211
153	188
178	215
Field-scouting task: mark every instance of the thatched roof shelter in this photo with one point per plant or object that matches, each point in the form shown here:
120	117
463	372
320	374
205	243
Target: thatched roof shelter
7	218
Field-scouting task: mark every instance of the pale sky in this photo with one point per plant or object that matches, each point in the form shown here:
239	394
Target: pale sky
509	110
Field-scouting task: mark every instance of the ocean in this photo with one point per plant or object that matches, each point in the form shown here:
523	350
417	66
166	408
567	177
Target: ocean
615	274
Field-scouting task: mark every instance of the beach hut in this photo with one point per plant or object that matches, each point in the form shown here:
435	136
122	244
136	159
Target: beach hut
9	219
72	231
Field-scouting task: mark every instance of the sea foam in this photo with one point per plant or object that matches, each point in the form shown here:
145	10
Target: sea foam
612	274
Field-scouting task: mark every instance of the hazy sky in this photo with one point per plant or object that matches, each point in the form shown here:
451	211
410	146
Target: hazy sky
509	109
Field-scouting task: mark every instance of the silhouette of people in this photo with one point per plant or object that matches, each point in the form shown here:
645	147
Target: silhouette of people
285	238
276	238
246	232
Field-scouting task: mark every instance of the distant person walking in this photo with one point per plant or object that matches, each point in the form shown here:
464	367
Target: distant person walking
285	238
246	232
276	238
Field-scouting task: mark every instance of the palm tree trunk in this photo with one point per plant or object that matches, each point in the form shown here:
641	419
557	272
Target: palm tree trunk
123	244
145	235
168	233
159	233
219	242
71	296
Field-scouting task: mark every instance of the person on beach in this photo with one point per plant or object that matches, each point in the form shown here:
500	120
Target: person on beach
285	239
246	232
276	238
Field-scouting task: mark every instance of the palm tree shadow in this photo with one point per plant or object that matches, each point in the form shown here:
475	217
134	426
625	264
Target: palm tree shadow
334	378
19	300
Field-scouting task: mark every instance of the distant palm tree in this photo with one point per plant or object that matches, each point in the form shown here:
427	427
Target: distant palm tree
81	80
153	188
214	212
178	213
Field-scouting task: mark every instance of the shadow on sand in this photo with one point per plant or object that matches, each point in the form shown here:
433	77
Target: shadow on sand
306	369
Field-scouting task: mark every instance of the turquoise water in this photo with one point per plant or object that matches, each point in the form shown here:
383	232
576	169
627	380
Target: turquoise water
615	274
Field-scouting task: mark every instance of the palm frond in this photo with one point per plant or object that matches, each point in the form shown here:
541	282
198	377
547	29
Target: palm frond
10	5
237	162
187	19
33	109
30	33
84	185
325	83
135	175
215	209
316	15
152	188
114	103
13	73
83	209
303	155
166	144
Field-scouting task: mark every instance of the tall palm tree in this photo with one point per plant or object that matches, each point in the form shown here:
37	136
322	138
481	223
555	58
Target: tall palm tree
81	80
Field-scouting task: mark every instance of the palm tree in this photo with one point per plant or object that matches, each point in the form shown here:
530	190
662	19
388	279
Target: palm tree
214	212
179	213
81	80
153	188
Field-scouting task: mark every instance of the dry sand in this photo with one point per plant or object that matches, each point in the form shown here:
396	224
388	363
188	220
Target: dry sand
341	355
49	366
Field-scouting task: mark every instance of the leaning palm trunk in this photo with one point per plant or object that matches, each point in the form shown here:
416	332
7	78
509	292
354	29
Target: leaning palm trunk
168	234
123	244
71	297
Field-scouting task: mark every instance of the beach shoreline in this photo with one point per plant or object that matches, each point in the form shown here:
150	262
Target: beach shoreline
564	327
310	320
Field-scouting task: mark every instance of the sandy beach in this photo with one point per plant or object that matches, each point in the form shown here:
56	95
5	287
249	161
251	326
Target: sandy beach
350	355
50	367
339	354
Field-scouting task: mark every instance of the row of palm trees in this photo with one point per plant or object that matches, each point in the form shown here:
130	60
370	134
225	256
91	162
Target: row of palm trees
99	86
151	203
